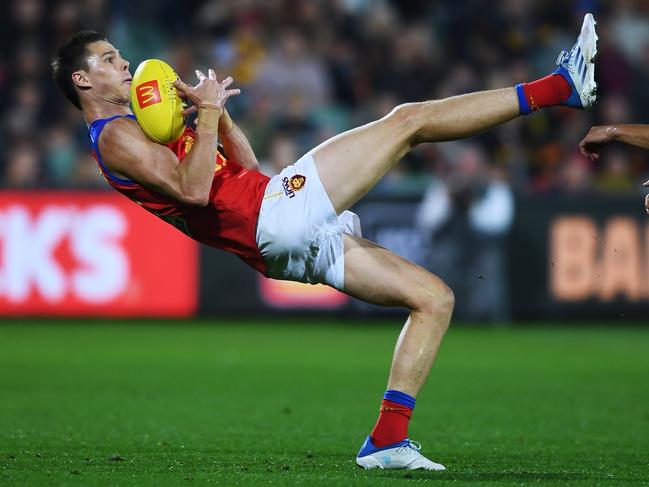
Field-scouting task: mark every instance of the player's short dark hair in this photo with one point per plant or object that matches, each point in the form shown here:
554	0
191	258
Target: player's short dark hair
72	56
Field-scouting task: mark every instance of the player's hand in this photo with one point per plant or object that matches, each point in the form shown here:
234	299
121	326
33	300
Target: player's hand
208	91
646	198
595	139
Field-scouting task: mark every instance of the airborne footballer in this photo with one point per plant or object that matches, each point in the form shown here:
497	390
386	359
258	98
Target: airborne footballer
295	225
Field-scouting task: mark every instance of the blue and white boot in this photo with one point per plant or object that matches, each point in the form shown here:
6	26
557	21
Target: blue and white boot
402	455
578	67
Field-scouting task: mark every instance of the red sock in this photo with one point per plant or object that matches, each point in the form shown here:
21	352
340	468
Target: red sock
392	425
546	92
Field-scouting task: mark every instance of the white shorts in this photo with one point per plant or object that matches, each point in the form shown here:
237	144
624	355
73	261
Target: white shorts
298	232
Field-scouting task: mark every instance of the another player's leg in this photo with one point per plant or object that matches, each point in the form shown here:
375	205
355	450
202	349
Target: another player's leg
351	163
379	276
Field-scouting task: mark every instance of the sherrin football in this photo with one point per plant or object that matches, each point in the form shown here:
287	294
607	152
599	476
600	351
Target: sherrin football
156	103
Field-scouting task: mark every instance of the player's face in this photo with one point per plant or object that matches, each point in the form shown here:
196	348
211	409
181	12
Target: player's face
108	73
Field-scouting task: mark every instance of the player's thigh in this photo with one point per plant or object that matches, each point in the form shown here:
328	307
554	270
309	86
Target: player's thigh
378	276
350	164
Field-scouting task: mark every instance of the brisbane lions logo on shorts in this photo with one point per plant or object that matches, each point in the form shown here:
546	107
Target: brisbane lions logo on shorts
293	184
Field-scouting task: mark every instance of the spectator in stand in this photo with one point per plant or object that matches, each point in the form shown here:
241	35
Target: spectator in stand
468	212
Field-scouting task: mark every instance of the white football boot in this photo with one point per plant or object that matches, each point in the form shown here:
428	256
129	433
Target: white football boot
402	455
577	66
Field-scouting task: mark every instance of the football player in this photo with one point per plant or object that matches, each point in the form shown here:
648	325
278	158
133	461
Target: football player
296	225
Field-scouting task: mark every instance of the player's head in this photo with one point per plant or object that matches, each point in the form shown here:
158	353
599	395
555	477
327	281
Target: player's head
89	67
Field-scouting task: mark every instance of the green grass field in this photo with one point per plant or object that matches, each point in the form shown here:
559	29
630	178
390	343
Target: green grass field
269	404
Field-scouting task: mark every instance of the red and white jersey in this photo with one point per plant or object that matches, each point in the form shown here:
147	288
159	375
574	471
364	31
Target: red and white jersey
228	222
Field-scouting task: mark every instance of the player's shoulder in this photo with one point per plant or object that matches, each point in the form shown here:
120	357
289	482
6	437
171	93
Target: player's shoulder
122	138
123	127
123	144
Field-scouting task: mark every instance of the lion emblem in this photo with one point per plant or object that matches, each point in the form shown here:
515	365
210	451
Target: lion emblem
297	182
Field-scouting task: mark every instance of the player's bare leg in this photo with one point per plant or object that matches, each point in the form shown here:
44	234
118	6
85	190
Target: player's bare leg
350	164
378	276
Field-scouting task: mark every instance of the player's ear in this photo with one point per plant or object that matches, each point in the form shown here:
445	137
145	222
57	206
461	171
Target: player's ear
80	78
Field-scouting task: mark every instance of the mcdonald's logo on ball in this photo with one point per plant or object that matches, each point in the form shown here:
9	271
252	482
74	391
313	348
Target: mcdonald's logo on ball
148	93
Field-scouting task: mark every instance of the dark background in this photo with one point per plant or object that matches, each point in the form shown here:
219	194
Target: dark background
311	69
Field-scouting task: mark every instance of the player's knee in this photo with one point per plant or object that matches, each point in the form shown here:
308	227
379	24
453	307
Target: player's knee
404	114
445	299
438	299
448	301
406	117
427	122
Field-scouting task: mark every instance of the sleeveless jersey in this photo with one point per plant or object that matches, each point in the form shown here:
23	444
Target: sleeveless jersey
228	222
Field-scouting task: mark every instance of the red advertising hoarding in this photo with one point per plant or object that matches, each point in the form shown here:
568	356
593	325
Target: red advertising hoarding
291	295
92	254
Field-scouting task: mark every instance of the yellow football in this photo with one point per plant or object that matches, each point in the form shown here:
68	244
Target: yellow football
156	103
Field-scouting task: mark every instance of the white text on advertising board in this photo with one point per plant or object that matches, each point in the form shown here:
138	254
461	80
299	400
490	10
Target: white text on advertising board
97	269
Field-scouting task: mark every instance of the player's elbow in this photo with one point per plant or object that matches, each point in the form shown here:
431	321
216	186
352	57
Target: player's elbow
196	198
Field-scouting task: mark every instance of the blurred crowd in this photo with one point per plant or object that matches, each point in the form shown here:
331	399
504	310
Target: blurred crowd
309	69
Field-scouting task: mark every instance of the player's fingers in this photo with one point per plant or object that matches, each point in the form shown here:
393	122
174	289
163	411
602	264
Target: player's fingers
235	92
211	74
646	184
182	87
587	152
188	111
227	82
646	203
200	75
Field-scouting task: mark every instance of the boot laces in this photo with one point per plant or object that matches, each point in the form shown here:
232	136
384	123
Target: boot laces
565	56
411	446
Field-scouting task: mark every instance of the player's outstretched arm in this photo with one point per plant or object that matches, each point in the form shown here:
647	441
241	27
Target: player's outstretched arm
236	143
127	151
599	136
